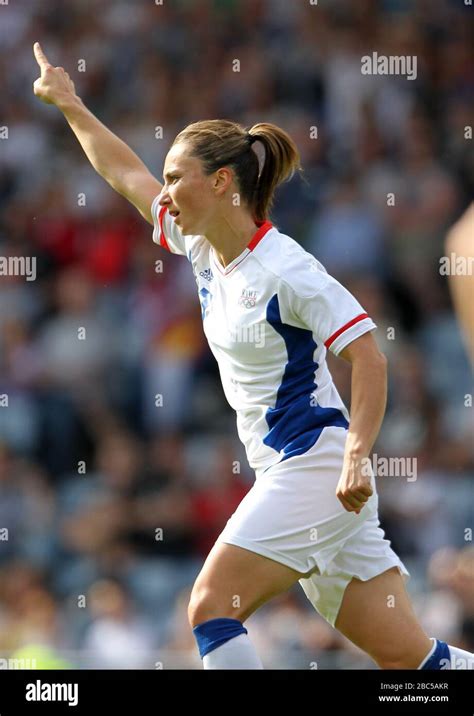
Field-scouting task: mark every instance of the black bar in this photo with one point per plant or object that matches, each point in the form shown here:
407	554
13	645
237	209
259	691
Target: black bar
140	693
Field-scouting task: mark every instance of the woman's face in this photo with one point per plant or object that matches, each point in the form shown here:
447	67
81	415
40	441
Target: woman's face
190	192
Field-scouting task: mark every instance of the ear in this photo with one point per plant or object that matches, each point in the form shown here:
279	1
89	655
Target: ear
222	180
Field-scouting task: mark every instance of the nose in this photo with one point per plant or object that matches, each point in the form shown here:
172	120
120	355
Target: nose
164	199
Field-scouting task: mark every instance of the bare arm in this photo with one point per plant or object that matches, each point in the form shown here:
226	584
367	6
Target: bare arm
368	393
460	241
368	402
109	155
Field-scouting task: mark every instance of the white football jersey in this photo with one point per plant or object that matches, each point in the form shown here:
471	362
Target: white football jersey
269	317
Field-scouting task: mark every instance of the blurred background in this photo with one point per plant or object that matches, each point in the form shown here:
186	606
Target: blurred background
111	497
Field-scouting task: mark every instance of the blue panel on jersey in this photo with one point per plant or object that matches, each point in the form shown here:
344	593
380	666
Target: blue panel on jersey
204	297
295	425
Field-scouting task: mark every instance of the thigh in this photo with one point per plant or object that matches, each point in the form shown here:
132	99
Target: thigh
236	581
363	556
378	617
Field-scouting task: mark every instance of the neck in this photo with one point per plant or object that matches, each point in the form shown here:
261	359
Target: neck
230	235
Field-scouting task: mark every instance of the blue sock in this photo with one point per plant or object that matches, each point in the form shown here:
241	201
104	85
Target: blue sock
440	658
215	632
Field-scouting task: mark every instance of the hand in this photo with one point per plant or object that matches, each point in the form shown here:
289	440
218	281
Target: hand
54	84
354	487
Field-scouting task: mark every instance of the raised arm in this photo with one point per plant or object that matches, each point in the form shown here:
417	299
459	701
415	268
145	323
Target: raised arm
109	155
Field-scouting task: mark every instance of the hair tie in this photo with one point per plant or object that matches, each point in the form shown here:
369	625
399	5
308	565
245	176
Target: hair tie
251	138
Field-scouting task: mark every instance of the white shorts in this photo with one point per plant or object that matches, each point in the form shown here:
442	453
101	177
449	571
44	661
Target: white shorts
292	515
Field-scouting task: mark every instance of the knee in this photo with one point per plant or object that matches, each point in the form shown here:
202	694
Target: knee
201	607
205	604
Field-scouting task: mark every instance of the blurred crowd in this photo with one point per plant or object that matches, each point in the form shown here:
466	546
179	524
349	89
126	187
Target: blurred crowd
119	460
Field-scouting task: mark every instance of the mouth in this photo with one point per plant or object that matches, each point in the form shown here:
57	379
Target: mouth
174	214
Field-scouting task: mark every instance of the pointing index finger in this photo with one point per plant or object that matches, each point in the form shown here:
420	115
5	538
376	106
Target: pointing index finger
41	58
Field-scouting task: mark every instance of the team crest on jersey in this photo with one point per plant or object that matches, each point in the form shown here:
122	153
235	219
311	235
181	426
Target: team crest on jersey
248	298
207	274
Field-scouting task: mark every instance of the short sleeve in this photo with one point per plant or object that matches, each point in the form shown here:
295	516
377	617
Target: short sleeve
165	231
331	312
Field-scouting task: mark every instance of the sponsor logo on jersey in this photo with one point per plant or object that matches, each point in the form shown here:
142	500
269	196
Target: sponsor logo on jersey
248	298
207	274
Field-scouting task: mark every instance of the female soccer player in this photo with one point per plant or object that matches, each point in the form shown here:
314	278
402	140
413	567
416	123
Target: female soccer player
270	312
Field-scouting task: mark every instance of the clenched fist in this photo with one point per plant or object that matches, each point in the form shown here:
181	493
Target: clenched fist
355	484
54	85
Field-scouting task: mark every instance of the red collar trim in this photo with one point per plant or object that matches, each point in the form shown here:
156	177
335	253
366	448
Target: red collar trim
264	226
